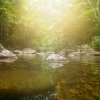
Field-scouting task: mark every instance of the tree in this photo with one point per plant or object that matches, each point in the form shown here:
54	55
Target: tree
6	15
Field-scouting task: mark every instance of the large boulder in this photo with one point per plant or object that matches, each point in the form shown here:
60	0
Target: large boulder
28	51
4	54
56	58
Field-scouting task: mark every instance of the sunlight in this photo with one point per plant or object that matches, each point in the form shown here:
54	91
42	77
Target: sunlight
49	6
50	12
47	18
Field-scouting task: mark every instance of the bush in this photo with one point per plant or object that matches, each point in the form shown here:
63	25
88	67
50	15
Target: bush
95	43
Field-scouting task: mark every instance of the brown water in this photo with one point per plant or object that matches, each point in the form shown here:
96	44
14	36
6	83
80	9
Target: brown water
32	78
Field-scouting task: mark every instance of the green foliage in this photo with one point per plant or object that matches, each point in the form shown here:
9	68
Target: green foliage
96	43
18	30
6	14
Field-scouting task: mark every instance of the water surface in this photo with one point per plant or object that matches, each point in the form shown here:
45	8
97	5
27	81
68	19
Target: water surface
30	77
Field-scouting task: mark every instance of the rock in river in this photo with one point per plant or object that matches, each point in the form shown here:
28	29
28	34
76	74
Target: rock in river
4	54
95	53
19	52
28	51
56	58
78	53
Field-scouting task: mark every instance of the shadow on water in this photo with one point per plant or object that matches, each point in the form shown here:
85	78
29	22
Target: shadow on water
31	78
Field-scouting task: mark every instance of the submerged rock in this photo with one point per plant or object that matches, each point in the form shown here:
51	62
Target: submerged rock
45	54
56	58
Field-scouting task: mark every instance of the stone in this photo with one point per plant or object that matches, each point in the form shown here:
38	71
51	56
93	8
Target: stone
4	54
78	53
56	58
18	52
28	51
95	53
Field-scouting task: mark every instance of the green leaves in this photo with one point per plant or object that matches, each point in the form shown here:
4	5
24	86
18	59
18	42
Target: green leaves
6	14
96	43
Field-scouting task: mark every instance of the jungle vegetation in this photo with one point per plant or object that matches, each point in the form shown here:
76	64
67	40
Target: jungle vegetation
27	23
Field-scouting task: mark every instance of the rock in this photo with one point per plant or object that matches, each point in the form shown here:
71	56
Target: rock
28	51
29	56
56	58
62	53
74	54
78	53
4	54
45	54
42	54
65	52
49	53
17	52
95	53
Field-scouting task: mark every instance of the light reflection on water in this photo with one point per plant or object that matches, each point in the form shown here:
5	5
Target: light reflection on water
32	78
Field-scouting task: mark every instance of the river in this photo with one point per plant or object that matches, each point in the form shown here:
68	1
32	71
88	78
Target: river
30	77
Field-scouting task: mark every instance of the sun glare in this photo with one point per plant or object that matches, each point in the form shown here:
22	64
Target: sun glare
49	12
49	6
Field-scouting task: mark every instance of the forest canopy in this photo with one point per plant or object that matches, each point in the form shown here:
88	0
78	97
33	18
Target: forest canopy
50	24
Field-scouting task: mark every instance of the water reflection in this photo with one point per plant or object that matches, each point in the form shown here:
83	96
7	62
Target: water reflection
8	60
56	65
32	78
28	56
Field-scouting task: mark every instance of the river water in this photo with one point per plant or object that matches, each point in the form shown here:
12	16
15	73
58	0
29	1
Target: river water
30	77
